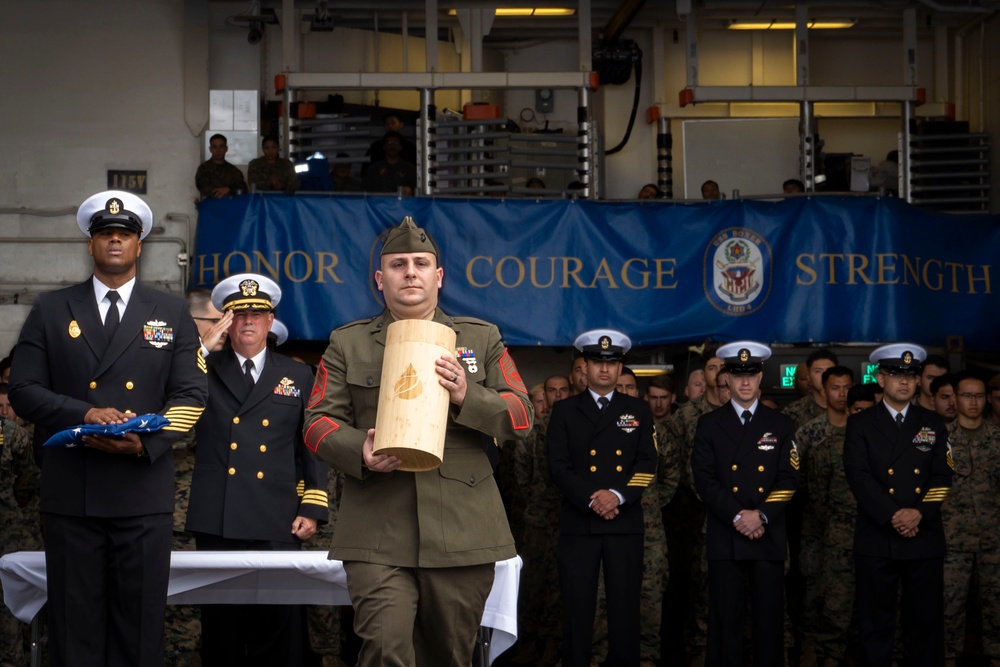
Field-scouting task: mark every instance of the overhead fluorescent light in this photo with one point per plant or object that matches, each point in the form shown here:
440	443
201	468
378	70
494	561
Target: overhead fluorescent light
832	24
650	370
527	11
554	11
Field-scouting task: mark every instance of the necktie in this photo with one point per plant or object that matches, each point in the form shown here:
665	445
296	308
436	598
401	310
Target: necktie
899	419
603	402
248	373
746	417
112	319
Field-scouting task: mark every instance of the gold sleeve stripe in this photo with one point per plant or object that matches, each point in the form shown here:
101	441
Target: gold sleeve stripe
779	496
300	487
310	501
317	494
184	410
640	480
178	425
201	362
643	477
178	428
182	417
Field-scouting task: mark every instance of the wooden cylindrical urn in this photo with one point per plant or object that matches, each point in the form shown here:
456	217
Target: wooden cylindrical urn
412	405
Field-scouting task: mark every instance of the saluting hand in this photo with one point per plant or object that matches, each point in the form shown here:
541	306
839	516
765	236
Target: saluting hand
217	331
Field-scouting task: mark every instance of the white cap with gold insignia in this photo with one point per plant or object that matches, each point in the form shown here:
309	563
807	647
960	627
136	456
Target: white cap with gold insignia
603	344
246	291
744	356
114	208
899	358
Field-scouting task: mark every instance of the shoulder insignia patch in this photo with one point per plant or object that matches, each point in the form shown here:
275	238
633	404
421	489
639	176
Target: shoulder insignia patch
319	385
510	374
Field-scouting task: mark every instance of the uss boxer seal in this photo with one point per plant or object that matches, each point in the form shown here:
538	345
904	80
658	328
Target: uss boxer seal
738	271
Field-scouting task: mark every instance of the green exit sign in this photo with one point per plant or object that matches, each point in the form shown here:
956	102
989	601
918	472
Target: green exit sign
788	375
868	372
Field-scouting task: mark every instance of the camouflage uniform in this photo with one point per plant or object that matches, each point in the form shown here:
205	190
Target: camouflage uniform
815	435
211	175
324	622
183	622
971	516
686	594
828	537
803	411
655	569
17	472
540	502
801	547
260	172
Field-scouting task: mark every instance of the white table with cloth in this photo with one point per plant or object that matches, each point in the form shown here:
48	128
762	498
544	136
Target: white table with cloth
257	577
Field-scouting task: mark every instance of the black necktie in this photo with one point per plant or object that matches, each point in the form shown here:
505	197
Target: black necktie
603	402
746	417
112	319
899	419
248	373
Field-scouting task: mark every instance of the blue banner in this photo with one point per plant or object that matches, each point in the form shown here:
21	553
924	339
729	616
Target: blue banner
826	269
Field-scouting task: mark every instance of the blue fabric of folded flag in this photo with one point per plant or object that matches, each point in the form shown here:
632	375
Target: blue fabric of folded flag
73	437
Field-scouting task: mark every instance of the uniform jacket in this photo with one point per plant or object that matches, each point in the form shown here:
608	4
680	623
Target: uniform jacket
250	458
64	366
448	517
891	467
591	449
739	467
211	175
972	514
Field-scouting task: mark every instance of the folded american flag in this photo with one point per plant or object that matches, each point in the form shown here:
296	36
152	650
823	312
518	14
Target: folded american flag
73	437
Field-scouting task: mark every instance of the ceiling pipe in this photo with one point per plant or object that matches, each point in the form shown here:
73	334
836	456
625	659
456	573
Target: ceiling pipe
953	9
621	19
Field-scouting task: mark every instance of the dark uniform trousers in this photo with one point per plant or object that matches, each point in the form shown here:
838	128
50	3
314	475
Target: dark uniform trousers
890	467
244	497
250	635
737	467
590	449
449	600
107	518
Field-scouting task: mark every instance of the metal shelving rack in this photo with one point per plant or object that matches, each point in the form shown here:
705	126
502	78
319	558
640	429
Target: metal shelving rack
951	172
